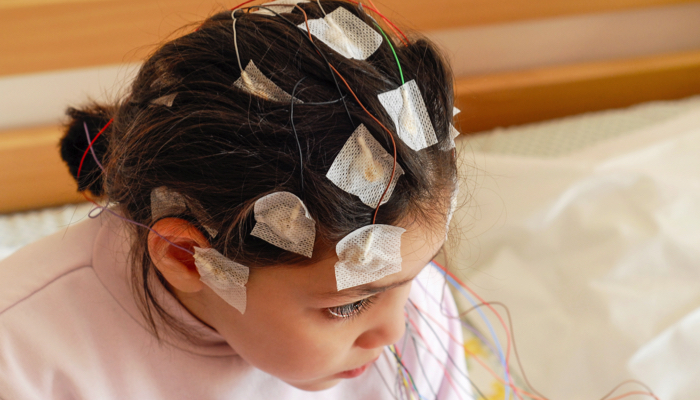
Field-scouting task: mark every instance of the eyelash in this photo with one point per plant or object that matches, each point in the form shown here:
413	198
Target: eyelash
350	310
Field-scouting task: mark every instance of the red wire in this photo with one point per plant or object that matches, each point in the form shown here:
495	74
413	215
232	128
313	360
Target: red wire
242	4
490	307
385	19
80	167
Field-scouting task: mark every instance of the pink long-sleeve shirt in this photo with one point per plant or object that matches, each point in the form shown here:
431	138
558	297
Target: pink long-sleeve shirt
70	328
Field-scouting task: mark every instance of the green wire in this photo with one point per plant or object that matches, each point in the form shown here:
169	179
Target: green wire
392	50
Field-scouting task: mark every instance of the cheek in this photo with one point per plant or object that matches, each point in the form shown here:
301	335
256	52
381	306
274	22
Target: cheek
291	343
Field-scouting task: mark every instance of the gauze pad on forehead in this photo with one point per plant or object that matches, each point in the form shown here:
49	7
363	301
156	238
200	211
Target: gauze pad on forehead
345	33
278	6
363	168
368	254
407	110
225	277
254	82
283	220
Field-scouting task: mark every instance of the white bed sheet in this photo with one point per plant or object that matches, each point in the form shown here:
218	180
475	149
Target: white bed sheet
597	255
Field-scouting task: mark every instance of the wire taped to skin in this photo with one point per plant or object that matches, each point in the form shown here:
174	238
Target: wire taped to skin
283	220
224	276
368	254
363	168
407	110
345	33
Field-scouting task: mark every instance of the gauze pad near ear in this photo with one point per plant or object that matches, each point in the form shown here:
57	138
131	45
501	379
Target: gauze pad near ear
168	203
254	82
368	254
278	6
345	33
283	220
407	110
165	202
363	168
225	277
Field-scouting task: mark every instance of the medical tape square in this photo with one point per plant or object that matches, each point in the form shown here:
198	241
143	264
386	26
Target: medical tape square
254	82
363	168
278	6
224	276
367	255
345	33
407	110
283	220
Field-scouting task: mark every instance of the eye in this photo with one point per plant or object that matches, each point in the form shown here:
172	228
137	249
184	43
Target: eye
350	310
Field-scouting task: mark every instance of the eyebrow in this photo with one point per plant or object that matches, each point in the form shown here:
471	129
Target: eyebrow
367	290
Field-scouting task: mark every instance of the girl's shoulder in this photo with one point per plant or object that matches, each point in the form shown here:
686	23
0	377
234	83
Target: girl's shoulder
38	265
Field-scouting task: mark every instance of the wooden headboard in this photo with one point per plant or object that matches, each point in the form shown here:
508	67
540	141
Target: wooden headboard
38	36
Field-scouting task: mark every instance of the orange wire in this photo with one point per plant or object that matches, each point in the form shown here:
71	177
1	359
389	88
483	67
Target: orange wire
490	307
393	27
511	383
634	393
391	135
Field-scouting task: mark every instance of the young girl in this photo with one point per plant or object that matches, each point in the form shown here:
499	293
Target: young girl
278	183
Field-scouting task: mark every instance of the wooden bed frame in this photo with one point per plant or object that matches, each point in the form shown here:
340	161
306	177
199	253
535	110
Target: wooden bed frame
49	35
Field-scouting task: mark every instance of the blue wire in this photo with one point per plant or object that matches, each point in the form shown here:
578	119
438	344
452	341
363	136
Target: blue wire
488	325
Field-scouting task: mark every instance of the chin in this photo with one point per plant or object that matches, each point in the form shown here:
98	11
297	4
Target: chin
315	386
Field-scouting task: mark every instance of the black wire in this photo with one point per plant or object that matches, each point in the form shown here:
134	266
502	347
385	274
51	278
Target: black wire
305	35
415	346
296	136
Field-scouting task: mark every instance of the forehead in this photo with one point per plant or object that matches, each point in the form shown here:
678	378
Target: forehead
316	282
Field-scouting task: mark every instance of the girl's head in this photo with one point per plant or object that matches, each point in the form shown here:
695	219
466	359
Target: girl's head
186	126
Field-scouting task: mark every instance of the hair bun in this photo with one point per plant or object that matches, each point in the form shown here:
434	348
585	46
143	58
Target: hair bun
75	142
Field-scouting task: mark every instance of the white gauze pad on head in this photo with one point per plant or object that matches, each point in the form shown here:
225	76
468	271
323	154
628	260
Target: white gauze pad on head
407	110
168	203
363	168
225	277
278	6
283	220
368	254
166	100
345	33
254	82
165	202
450	144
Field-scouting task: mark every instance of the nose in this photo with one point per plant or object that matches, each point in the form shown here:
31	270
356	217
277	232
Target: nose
385	330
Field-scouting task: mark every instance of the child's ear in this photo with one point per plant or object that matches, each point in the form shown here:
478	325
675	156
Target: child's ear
176	265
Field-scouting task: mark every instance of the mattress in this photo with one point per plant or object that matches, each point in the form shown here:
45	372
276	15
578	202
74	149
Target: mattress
588	229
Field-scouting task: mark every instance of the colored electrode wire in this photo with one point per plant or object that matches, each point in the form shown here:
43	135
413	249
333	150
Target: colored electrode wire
392	50
104	128
391	135
92	150
444	368
461	289
512	334
296	136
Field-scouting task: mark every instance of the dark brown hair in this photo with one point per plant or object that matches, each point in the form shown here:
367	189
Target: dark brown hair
223	148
